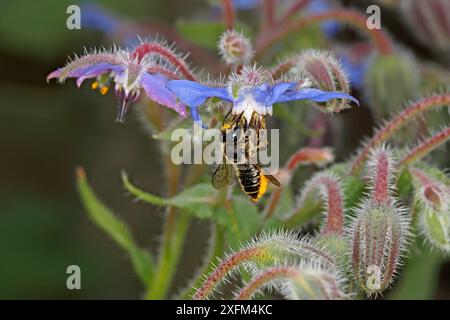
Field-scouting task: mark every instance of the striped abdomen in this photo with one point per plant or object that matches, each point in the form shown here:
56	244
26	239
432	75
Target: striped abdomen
252	181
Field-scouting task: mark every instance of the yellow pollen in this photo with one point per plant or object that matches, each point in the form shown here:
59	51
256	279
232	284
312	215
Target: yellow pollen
94	85
104	90
262	187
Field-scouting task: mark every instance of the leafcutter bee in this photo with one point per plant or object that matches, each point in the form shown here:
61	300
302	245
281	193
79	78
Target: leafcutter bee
251	176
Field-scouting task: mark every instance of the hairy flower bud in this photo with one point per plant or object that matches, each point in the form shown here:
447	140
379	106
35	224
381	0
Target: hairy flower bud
433	209
429	21
380	229
235	48
305	281
326	73
390	80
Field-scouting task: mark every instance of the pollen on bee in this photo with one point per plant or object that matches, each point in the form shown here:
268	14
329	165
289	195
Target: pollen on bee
94	85
104	90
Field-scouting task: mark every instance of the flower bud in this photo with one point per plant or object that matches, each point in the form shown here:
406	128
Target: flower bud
379	234
235	48
429	21
305	281
326	73
390	81
314	284
433	209
380	228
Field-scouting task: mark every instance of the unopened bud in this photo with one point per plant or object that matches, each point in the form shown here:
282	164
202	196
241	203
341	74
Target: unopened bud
429	21
433	209
326	73
379	235
390	81
235	48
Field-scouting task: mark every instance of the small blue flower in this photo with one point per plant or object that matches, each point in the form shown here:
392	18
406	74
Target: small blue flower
129	74
250	91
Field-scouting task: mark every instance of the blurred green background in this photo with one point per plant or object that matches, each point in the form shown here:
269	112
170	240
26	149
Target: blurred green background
49	129
46	131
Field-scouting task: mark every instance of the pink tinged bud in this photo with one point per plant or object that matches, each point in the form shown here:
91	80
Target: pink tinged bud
429	21
380	229
330	190
433	209
326	73
235	48
378	237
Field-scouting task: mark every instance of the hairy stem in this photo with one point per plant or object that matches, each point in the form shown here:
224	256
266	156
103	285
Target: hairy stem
224	268
169	55
426	147
217	249
351	17
387	131
268	276
174	234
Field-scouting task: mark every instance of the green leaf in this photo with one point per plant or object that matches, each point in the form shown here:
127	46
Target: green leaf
198	199
419	279
114	227
240	222
203	33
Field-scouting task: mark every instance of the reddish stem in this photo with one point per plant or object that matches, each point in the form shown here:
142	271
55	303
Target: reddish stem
426	146
269	10
265	277
396	123
165	72
228	13
177	62
351	17
223	269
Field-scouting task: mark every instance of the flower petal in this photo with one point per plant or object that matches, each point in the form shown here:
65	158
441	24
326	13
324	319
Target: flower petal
268	95
194	94
155	88
98	69
314	95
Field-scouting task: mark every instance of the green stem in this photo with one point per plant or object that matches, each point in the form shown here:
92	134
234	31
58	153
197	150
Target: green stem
217	250
174	235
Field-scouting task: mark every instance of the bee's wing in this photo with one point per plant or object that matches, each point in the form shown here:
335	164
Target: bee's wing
222	176
270	177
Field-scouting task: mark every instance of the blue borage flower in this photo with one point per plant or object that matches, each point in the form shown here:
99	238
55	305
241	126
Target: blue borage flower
130	72
252	90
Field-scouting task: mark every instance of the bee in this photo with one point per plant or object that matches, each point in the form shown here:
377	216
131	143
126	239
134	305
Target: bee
251	176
